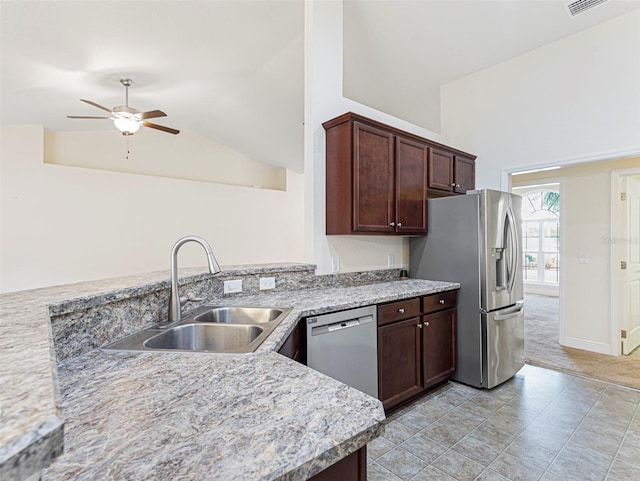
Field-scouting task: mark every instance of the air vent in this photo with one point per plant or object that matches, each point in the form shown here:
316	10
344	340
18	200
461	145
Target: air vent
581	6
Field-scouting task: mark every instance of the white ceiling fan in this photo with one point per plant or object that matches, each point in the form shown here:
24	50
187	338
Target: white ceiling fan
127	119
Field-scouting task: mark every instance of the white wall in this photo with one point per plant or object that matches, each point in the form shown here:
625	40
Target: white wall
324	100
573	99
62	224
184	156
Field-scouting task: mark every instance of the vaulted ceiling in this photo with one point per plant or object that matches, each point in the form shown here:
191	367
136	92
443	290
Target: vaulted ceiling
233	71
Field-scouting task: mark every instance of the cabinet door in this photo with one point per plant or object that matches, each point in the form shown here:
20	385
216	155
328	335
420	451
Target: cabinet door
351	468
373	206
399	362
411	186
441	170
464	171
439	345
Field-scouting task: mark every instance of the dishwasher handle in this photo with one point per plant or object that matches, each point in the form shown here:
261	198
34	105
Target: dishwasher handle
340	325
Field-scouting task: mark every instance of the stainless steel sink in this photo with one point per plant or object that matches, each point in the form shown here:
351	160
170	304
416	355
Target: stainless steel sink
215	329
205	337
239	315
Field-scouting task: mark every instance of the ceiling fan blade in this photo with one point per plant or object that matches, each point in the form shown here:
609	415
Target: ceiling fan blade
83	117
152	114
96	105
161	127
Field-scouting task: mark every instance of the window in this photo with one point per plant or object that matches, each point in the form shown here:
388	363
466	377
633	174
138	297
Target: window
541	236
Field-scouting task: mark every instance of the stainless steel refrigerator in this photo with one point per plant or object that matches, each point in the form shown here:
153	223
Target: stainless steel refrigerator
475	239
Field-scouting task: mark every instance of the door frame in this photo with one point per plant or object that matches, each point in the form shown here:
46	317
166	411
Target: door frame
616	177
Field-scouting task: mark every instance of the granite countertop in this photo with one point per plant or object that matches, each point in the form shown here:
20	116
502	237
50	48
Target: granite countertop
180	415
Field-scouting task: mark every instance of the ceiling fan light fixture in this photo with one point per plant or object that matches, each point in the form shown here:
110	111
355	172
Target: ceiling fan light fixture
127	125
127	119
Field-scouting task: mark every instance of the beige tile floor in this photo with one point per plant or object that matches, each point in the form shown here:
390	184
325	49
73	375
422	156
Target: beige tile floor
540	425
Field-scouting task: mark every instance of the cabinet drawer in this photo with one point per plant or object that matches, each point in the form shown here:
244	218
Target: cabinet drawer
395	311
437	302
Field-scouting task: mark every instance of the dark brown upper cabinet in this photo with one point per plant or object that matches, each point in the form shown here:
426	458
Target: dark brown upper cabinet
372	202
377	177
450	172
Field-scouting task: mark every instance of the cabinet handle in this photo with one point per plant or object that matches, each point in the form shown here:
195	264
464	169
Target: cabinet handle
453	184
401	310
419	326
441	301
426	324
458	186
392	224
399	224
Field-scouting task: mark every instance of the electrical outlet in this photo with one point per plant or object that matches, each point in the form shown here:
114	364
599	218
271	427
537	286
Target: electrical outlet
231	287
391	260
335	264
583	258
267	283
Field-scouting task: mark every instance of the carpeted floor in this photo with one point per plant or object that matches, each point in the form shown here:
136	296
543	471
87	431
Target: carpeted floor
542	348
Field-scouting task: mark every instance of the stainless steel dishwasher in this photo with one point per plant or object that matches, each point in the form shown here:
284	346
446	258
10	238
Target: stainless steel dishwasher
344	345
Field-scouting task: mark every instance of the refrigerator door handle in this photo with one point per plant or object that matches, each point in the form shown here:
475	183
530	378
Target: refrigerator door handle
512	266
510	313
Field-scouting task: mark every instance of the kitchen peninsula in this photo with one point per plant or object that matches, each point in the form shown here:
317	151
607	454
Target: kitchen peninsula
179	415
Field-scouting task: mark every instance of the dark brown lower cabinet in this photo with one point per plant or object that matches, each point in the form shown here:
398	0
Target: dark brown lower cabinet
439	344
399	362
351	468
415	353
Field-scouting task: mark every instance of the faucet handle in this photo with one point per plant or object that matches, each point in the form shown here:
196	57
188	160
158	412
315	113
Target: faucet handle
185	299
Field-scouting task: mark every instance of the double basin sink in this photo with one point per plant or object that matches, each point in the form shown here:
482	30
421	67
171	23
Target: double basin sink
216	329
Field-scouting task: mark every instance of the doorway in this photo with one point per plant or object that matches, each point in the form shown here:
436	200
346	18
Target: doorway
587	340
541	246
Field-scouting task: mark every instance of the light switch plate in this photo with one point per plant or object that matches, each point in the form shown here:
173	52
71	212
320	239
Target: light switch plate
335	264
391	260
231	287
267	283
583	257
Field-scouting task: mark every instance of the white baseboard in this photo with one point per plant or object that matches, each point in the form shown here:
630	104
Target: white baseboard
592	346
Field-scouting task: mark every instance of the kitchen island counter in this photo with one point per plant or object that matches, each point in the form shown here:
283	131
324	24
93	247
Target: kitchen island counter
209	416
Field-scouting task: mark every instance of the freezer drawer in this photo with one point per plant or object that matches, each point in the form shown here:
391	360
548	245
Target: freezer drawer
503	333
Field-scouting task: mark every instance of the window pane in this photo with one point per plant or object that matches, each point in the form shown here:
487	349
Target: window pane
551	239
531	266
551	268
541	236
531	203
550	229
530	239
550	244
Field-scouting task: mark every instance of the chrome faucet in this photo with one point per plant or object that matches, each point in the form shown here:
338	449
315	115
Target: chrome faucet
175	309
